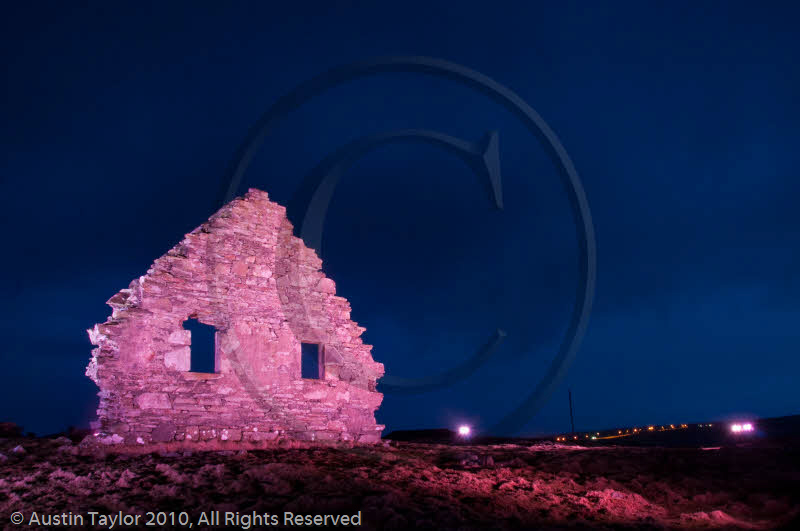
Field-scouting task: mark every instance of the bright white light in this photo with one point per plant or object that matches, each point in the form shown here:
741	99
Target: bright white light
747	427
736	428
463	430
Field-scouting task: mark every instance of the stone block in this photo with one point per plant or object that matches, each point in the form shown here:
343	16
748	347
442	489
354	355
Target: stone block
230	435
325	436
153	401
257	436
207	434
370	437
240	268
119	427
315	394
179	359
222	269
192	433
180	337
326	285
164	432
332	356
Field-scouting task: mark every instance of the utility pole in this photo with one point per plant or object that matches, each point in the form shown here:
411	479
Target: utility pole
571	418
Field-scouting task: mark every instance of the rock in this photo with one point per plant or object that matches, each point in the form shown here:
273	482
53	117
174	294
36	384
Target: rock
10	430
467	459
125	479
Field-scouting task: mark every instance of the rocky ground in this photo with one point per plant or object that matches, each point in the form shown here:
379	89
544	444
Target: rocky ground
412	485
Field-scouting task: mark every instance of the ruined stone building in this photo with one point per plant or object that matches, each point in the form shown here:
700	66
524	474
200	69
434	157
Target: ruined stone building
244	273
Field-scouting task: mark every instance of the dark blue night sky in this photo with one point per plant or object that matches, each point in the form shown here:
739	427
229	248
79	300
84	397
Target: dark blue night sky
119	122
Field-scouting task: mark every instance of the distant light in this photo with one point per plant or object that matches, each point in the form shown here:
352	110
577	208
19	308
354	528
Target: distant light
747	427
650	428
463	430
593	437
736	428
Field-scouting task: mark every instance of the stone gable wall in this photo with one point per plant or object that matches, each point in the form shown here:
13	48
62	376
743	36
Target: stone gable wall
244	273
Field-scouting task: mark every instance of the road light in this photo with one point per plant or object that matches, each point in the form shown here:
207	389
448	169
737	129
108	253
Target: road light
740	428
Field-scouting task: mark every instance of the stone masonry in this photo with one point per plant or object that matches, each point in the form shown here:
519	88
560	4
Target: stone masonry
244	273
